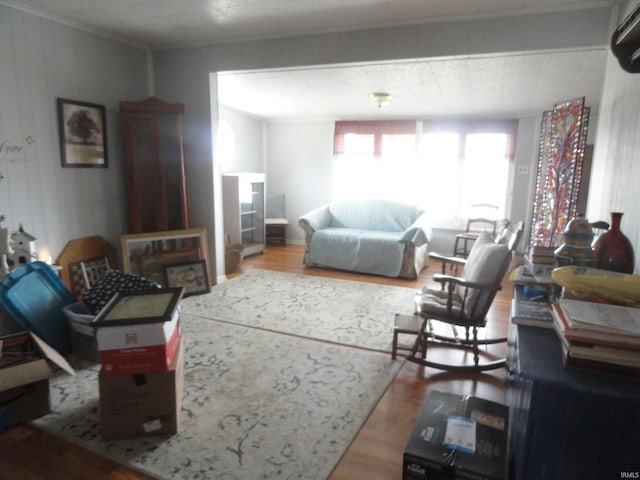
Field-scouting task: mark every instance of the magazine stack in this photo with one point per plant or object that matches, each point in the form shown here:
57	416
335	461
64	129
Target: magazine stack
531	307
532	289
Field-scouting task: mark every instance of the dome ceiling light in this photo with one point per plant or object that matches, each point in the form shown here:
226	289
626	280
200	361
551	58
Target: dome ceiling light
381	99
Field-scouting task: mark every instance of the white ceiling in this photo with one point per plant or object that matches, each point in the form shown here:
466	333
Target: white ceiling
498	85
171	23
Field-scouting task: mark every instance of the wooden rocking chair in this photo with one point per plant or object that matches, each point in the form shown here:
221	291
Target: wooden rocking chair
464	302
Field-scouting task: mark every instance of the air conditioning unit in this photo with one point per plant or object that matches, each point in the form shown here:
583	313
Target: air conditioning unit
625	42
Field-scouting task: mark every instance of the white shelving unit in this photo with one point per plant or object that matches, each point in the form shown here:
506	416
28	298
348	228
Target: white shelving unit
243	197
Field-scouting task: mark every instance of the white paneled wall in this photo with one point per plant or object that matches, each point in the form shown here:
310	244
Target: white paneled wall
41	60
300	165
240	142
615	175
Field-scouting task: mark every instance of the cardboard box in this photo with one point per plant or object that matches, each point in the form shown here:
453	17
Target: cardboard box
24	377
434	452
136	335
138	348
142	404
147	359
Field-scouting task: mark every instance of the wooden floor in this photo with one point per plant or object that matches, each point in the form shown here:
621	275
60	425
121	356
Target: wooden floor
376	453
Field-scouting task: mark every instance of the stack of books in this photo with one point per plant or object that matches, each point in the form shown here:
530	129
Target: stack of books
530	307
521	275
539	261
598	336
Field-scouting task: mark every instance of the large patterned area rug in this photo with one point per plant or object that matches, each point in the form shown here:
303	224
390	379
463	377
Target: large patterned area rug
340	311
257	404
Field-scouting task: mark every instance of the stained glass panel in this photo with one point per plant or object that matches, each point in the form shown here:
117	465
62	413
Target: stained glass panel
561	153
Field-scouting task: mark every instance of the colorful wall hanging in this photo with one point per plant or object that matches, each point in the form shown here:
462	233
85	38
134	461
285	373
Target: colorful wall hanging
563	136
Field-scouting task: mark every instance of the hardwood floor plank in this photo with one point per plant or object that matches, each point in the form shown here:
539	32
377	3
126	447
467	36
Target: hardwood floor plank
376	453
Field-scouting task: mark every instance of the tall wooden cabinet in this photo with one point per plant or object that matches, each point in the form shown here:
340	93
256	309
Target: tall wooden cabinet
155	165
243	198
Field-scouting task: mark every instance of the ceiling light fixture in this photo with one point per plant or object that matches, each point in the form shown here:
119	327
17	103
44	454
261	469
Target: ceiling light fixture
381	99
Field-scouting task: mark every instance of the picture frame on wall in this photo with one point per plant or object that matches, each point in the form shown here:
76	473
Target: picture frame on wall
82	129
148	253
191	276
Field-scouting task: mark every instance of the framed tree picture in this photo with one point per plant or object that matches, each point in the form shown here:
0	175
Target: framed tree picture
83	134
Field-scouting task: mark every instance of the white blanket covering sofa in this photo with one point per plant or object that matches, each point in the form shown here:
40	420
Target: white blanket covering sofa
379	237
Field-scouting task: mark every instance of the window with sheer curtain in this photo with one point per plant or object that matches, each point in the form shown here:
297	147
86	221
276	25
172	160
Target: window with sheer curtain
442	167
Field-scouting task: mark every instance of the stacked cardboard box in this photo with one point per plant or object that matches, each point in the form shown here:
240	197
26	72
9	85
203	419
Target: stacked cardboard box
24	377
142	361
146	403
139	347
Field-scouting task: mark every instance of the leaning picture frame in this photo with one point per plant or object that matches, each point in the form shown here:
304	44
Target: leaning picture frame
191	276
151	251
153	265
148	306
82	128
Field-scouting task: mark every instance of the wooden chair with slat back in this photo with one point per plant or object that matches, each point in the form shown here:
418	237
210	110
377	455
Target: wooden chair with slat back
483	216
506	232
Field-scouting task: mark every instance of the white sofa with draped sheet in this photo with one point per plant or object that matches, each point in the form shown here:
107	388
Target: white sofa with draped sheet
379	237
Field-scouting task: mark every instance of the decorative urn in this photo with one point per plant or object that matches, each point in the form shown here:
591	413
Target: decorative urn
613	250
576	245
